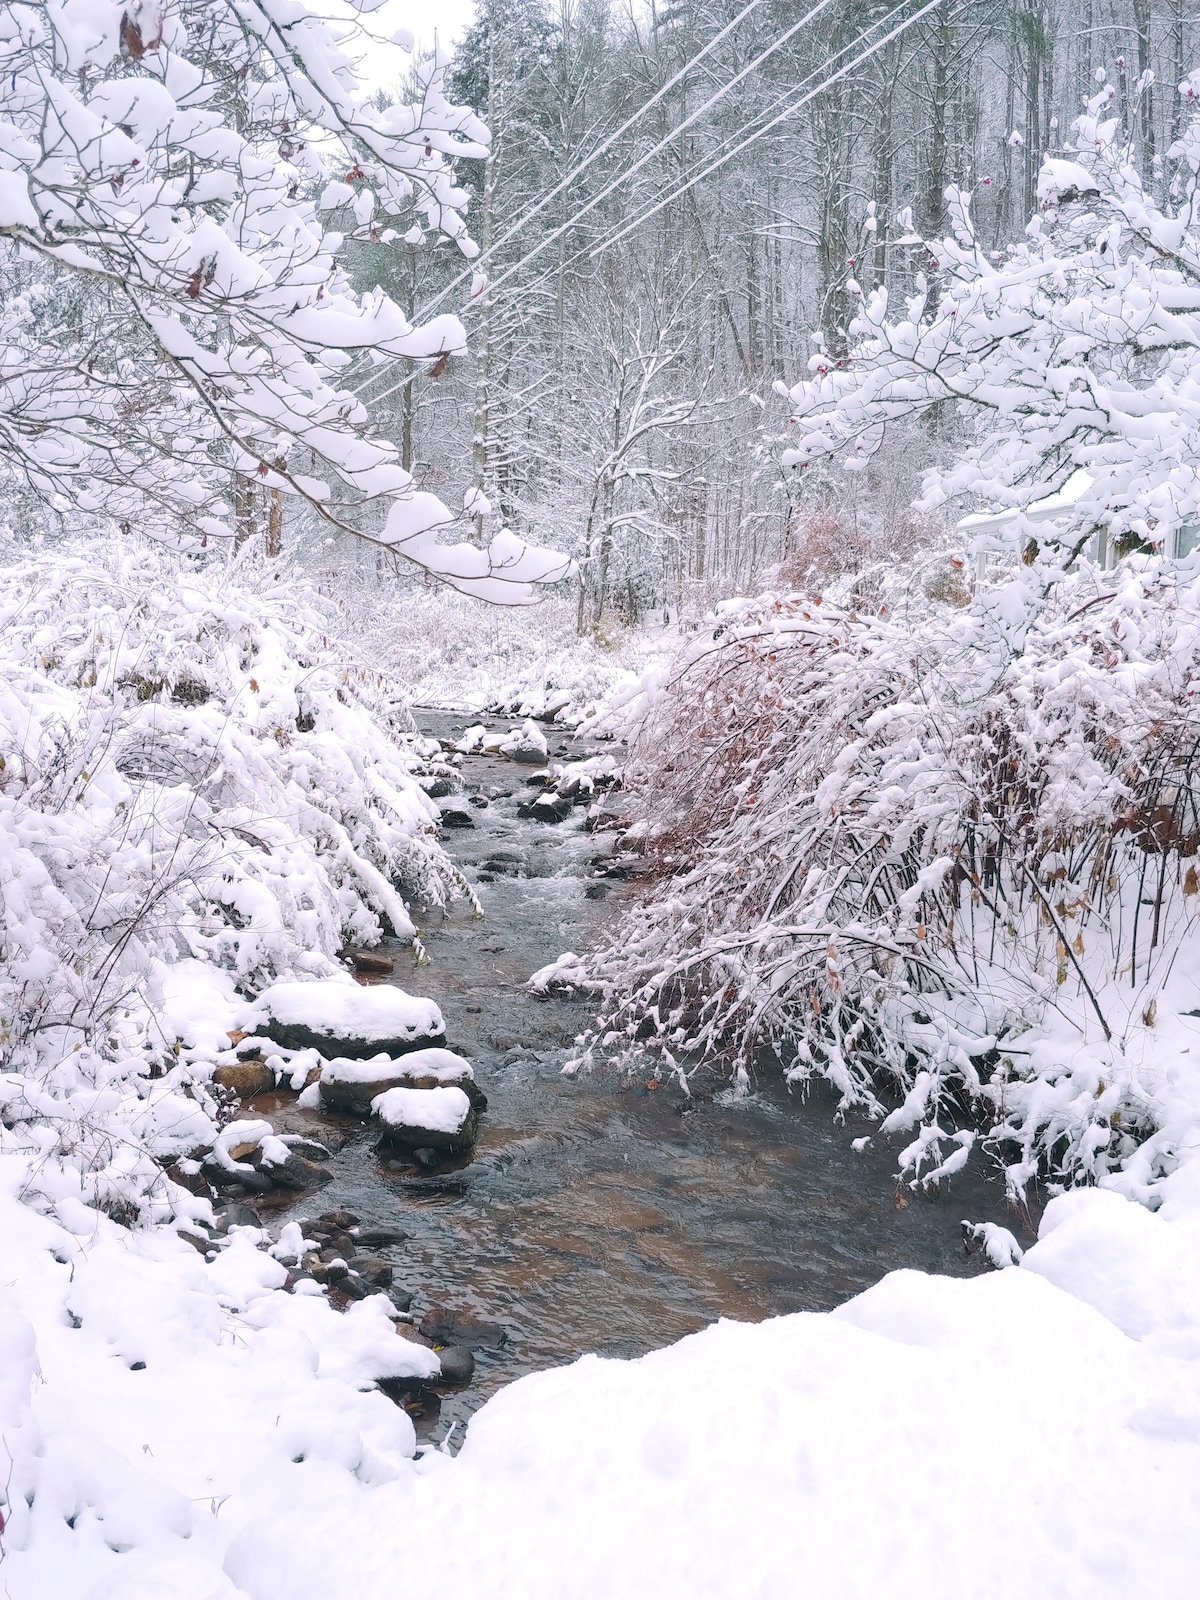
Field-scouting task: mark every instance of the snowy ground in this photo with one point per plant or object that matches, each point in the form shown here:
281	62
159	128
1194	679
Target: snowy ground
1033	1432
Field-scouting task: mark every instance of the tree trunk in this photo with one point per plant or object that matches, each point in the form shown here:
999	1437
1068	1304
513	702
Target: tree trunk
243	509
275	523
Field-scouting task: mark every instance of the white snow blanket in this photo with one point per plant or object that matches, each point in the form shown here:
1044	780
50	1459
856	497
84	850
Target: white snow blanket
438	1110
439	1066
1031	1432
346	1010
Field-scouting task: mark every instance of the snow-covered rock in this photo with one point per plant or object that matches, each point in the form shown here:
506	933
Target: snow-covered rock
339	1017
351	1085
434	1119
526	744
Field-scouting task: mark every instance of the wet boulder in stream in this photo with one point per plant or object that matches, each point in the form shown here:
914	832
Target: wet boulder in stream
547	808
349	1085
428	1119
341	1018
525	744
456	812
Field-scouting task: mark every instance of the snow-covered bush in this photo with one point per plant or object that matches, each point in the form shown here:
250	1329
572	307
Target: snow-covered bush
522	661
923	863
188	774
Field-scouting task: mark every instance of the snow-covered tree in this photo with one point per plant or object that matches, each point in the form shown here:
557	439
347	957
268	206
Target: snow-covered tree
174	314
1077	349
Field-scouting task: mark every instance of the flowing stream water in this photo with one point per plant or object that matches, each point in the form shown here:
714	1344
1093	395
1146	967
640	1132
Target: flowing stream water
597	1213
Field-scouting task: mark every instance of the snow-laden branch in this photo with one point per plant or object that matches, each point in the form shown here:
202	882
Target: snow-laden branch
174	311
1078	349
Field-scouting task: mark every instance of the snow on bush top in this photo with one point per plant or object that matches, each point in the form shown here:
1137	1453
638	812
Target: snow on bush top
949	857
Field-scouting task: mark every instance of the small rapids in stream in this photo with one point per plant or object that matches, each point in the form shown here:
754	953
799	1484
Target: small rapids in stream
598	1214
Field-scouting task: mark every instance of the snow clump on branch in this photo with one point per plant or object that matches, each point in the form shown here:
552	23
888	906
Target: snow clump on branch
1075	350
174	309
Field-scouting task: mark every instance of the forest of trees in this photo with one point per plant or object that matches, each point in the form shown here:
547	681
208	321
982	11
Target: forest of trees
654	277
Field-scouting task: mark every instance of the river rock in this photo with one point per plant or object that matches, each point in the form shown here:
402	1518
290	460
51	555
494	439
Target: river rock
297	1172
458	1365
552	808
376	1237
370	963
338	1017
526	744
456	813
444	1325
374	1269
433	1119
348	1085
236	1216
438	787
245	1078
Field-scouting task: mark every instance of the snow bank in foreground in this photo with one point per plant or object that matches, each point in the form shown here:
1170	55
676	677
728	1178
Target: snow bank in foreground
1032	1432
941	1437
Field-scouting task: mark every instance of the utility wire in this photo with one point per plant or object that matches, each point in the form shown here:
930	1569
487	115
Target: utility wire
788	111
718	95
593	249
621	177
600	150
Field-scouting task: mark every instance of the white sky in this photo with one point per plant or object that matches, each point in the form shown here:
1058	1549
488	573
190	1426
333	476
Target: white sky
449	19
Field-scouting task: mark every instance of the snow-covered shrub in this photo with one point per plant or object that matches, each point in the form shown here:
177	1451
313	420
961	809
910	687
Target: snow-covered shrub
522	661
188	773
929	856
1074	351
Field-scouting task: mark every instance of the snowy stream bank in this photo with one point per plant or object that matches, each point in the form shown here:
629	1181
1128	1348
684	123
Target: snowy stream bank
180	1429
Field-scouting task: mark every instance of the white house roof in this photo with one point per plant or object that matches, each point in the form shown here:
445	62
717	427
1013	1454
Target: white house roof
1054	505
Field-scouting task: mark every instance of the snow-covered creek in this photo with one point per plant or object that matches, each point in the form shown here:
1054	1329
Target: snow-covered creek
598	1213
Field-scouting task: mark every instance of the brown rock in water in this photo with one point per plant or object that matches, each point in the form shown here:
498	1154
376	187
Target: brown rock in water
369	962
375	1270
246	1078
442	1325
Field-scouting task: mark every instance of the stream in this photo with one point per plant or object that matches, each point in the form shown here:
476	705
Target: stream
597	1213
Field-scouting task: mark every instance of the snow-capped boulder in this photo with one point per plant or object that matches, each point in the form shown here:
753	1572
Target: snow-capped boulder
527	743
339	1017
248	1154
350	1085
431	1119
456	812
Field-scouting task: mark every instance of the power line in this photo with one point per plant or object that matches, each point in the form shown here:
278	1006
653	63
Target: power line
594	249
600	150
788	111
718	95
615	183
